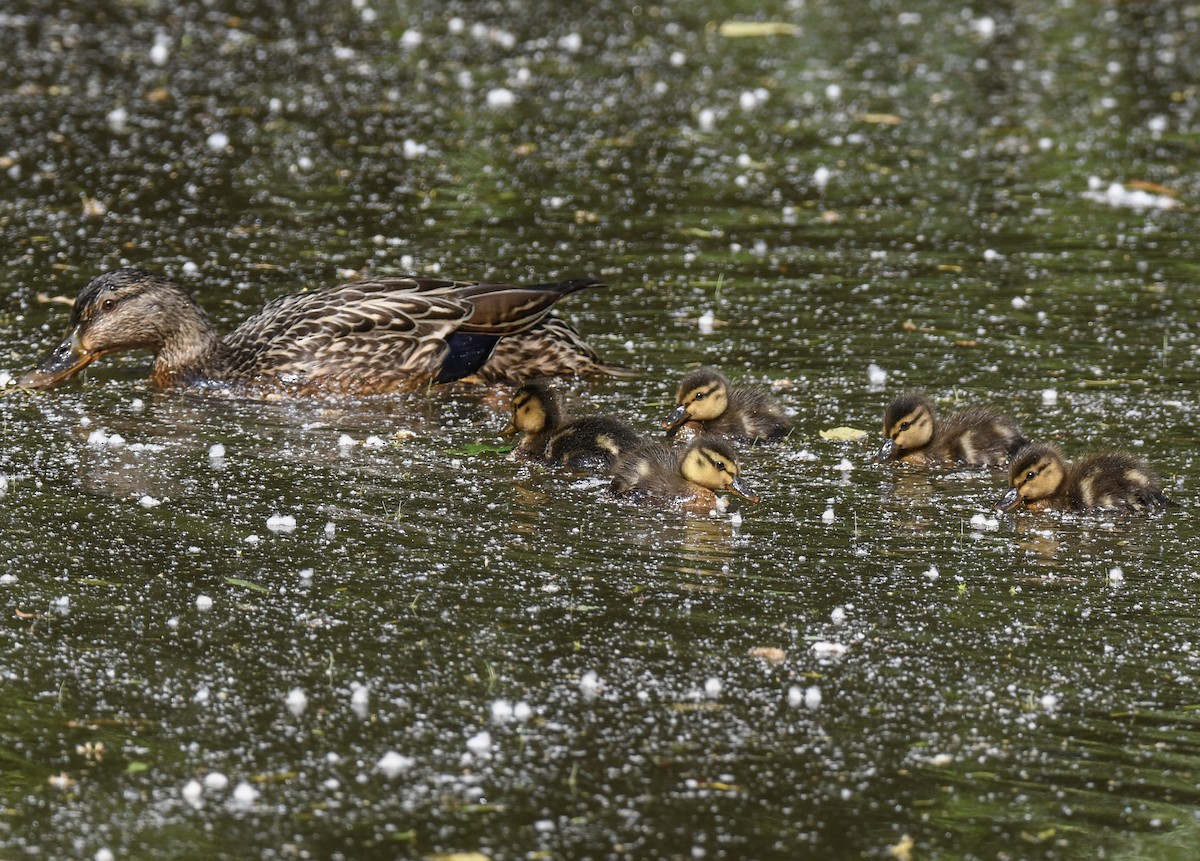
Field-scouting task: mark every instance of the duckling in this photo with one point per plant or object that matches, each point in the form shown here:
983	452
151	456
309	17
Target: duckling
551	348
656	472
1041	478
706	398
366	337
974	436
592	442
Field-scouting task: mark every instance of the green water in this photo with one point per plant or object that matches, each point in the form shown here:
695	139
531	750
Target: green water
850	668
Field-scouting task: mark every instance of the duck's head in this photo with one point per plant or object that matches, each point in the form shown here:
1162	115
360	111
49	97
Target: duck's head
535	406
1037	471
125	309
908	425
709	461
703	395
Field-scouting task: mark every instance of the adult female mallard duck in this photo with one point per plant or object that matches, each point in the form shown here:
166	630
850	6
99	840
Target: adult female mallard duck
975	436
1042	478
706	398
592	442
365	337
658	473
552	348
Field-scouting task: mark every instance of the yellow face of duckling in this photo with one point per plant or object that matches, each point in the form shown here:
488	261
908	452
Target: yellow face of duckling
530	414
711	464
702	396
1037	473
908	425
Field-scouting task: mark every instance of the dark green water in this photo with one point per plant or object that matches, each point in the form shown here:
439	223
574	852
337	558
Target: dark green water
899	185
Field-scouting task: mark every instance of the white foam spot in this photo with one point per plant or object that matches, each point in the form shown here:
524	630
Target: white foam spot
589	684
876	376
480	744
812	697
838	616
705	323
216	781
203	602
1115	574
821	177
244	795
501	98
193	793
360	699
712	687
1049	396
281	523
932	574
706	119
148	501
829	649
296	701
217	141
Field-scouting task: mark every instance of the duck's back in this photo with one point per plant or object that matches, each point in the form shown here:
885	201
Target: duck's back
977	437
752	415
650	471
595	442
385	334
551	348
1112	480
368	335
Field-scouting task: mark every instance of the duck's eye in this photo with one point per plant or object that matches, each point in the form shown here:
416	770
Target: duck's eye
699	396
108	304
905	426
1031	476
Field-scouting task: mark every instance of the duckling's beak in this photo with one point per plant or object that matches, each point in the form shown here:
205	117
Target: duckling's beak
1010	500
511	429
887	453
678	416
739	488
67	359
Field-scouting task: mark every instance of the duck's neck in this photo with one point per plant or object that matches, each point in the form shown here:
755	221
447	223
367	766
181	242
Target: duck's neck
188	346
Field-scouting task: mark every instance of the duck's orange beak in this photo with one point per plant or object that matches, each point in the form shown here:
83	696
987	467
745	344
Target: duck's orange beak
66	360
1010	500
887	453
739	488
678	416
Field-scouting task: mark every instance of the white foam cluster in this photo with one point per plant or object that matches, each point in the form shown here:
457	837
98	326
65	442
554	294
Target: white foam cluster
480	744
393	764
501	99
876	376
296	701
705	323
1120	195
101	438
281	523
589	684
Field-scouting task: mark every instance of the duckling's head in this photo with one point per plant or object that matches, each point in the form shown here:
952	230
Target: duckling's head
125	309
709	461
1037	471
703	395
908	425
536	406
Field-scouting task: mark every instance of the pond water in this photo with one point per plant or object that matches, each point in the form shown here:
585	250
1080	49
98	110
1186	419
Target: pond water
362	632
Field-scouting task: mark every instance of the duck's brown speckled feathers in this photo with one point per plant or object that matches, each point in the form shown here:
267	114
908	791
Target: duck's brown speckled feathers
973	436
364	337
550	436
552	348
657	473
1040	477
706	398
